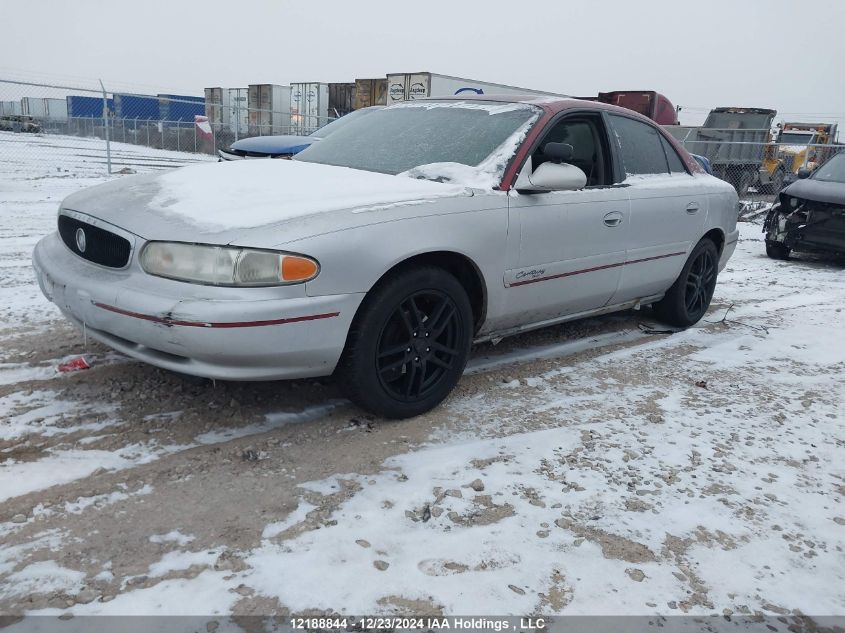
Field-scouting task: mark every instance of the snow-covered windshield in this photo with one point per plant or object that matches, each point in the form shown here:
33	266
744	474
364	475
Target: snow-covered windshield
465	142
833	170
334	126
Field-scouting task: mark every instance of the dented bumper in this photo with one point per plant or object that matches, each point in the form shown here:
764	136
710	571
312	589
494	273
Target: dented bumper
220	333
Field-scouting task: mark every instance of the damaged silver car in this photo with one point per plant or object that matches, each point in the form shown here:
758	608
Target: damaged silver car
381	253
809	216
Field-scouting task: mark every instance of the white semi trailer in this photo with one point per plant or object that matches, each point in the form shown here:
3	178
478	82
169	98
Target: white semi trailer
406	86
309	107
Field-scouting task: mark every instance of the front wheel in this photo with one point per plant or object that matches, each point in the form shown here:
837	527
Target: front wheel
777	250
689	297
408	344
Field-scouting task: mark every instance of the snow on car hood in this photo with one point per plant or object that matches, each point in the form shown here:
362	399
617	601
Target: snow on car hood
212	199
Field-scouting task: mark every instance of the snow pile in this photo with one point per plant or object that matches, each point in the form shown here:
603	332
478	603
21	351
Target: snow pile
174	536
45	576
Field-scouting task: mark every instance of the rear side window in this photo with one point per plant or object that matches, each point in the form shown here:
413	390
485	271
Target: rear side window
640	146
676	165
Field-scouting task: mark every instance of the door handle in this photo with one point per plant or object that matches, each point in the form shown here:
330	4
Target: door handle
692	207
614	218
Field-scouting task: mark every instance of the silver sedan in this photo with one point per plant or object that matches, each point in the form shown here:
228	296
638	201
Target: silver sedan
383	252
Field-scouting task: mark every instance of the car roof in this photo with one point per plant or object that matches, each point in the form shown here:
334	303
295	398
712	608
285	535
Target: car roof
550	103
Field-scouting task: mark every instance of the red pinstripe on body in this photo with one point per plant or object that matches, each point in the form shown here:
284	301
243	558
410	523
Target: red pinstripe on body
222	325
590	270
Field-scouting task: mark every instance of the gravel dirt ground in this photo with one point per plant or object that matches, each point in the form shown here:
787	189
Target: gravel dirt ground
595	467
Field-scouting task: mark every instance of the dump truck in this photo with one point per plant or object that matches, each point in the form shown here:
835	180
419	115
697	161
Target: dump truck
735	141
797	146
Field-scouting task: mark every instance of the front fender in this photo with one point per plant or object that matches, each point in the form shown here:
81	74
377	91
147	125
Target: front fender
358	257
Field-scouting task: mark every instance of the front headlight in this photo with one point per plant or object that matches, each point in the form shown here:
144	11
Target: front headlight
226	265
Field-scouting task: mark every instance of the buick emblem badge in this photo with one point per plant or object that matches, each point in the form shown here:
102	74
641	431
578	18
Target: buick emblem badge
80	240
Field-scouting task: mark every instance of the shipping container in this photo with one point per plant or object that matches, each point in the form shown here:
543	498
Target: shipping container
78	106
238	100
370	92
57	109
35	107
217	107
309	107
10	108
341	99
409	86
141	107
180	107
269	109
227	111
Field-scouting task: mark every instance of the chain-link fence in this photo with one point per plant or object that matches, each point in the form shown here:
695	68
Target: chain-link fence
113	131
754	161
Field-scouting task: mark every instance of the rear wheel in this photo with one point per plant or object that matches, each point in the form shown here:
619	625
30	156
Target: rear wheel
777	250
408	344
689	297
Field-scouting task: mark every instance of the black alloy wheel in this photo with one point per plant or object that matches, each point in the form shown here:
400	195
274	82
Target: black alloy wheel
688	298
701	280
418	345
408	344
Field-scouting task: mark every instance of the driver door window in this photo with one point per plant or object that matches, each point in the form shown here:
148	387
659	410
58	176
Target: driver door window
589	150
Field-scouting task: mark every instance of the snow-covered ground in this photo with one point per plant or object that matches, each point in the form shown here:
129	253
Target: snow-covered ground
589	468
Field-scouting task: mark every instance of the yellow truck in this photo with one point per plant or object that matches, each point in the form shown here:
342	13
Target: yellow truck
797	146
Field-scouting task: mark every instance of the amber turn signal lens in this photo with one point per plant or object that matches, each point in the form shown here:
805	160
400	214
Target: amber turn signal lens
298	268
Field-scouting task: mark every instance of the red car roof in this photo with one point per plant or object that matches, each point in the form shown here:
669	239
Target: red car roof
552	106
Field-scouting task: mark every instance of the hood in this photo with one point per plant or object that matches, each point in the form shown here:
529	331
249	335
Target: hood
217	202
817	191
287	144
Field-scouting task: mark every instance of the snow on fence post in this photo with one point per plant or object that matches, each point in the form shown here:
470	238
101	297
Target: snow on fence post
106	125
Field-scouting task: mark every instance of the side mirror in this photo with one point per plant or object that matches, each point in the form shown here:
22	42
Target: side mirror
555	177
803	173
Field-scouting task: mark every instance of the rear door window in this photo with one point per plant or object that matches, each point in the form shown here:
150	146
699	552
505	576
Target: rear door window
639	146
676	165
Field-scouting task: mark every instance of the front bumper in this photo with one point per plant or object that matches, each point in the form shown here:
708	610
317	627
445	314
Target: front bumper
730	246
224	155
220	333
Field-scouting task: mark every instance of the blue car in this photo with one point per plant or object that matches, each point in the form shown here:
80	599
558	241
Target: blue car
704	162
286	145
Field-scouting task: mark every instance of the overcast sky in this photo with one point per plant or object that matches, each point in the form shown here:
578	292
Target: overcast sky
783	54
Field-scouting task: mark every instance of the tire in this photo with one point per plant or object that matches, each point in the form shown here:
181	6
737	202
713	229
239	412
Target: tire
689	297
777	182
389	365
777	250
743	184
